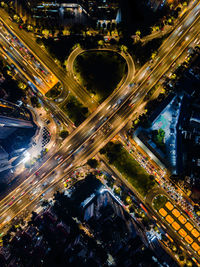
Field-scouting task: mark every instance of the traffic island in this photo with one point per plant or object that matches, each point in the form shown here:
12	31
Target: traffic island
128	167
75	110
55	91
100	72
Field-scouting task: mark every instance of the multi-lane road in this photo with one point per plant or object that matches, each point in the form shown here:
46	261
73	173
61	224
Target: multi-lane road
105	122
67	81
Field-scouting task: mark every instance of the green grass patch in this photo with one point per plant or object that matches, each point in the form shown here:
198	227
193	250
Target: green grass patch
159	202
100	72
159	139
75	110
128	167
55	91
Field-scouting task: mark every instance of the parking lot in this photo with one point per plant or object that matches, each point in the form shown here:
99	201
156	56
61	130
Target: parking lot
181	224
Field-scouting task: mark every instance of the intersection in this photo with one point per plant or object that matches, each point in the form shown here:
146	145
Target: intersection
86	140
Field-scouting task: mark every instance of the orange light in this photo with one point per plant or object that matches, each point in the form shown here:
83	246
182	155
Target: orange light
169	205
163	212
169	219
182	232
195	233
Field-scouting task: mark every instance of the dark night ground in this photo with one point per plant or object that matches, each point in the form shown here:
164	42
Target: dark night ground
138	16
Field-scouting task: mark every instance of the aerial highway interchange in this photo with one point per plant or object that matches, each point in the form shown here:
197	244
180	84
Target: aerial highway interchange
86	140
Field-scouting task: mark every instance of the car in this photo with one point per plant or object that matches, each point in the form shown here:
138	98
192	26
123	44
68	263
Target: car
71	151
180	33
43	174
131	85
10	203
63	164
100	117
59	158
108	107
59	161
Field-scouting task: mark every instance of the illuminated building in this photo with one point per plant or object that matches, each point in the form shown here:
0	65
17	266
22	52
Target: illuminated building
12	117
16	130
69	12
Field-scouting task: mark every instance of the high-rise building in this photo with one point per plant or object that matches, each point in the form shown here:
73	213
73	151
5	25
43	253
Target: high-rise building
68	12
16	130
53	12
13	117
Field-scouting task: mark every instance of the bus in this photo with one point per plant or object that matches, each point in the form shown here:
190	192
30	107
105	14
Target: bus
33	87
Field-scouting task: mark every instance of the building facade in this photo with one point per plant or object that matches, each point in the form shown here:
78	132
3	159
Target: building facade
16	130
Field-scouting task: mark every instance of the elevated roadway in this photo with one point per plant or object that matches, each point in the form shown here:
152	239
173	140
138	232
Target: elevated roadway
107	120
115	110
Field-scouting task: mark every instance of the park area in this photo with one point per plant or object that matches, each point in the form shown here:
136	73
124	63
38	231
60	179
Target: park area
128	167
75	110
100	72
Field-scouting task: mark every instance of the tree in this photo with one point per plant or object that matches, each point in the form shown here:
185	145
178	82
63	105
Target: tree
45	203
196	208
164	238
22	85
181	258
101	43
112	151
45	32
3	187
13	229
34	215
113	26
189	263
128	200
117	191
102	151
63	134
174	248
176	177
113	41
84	110
93	163
138	33
35	102
30	28
39	41
104	25
153	55
6	239
124	48
98	25
109	26
110	183
151	177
